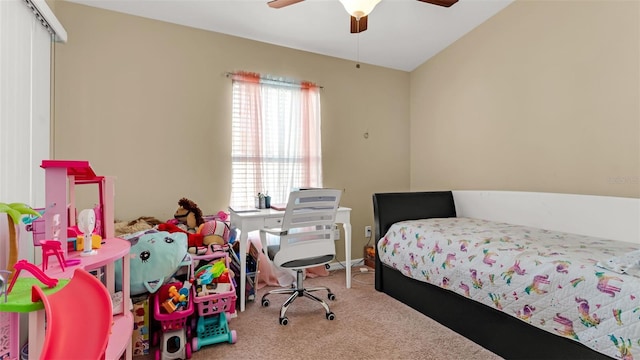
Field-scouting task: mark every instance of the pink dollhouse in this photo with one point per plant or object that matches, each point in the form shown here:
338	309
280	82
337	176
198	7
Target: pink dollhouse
61	178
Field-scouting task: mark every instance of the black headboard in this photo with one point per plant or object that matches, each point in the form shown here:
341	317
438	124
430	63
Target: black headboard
389	208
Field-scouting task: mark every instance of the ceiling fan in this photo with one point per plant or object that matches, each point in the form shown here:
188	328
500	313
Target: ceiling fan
358	9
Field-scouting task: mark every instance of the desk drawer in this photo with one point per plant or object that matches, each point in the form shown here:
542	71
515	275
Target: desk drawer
272	222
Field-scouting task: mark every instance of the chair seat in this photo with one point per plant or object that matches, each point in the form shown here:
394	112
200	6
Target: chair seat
272	250
308	262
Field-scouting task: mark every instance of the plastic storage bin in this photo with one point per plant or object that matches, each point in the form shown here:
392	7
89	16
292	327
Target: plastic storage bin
216	302
175	330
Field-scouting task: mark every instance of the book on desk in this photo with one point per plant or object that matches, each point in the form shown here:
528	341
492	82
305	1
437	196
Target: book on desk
240	209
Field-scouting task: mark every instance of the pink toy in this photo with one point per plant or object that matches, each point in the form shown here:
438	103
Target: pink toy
37	273
53	247
173	325
211	324
61	177
71	332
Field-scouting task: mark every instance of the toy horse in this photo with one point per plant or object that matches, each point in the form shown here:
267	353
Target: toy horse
188	215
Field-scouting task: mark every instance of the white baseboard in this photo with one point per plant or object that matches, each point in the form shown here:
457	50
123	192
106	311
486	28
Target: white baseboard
340	265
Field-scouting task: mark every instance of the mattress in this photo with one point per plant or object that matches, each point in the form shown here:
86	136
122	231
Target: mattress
551	280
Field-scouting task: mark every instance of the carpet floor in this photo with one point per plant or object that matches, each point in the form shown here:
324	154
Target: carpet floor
368	325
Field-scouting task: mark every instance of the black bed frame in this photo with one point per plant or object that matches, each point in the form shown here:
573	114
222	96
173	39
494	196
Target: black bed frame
498	332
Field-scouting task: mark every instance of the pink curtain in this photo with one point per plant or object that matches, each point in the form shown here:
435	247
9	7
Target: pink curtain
310	110
250	118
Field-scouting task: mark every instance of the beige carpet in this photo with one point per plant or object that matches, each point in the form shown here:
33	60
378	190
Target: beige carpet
368	325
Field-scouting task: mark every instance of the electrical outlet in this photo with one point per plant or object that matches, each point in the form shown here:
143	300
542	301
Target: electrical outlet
336	232
367	231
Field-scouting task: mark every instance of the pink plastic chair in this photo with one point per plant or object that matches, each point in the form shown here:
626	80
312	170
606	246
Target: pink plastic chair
79	318
51	248
54	248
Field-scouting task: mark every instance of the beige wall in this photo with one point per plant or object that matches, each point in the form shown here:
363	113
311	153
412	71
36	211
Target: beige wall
147	102
542	97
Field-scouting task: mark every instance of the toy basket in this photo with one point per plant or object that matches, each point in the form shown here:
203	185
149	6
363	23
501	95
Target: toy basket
215	303
175	320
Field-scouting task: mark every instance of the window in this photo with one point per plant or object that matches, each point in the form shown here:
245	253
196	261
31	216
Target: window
276	141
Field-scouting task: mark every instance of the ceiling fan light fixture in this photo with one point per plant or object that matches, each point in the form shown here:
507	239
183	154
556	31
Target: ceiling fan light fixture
359	8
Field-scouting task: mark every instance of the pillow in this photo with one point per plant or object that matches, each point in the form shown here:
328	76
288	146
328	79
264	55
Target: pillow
628	263
155	257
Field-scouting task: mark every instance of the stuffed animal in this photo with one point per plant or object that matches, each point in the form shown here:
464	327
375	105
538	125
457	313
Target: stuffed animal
155	256
194	241
214	232
189	215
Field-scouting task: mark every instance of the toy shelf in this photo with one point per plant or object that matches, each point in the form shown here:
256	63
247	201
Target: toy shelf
122	328
110	251
252	269
61	178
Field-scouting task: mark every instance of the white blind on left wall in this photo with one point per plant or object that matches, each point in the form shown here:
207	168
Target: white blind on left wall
25	102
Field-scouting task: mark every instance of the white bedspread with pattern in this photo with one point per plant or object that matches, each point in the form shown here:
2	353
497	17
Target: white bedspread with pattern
546	278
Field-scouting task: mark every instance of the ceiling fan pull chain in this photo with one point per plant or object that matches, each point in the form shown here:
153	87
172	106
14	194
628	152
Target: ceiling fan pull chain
358	50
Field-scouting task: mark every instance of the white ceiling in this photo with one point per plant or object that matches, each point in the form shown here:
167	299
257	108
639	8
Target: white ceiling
402	34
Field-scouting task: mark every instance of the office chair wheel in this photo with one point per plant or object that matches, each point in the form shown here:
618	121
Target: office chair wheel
265	302
284	321
331	296
331	316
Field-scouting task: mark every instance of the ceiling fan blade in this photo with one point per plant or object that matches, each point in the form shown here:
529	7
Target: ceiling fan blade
277	4
445	3
358	26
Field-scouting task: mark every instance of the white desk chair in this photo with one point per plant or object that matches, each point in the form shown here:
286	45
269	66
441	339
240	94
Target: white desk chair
306	240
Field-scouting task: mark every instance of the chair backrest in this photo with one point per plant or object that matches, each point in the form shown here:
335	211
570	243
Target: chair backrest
307	237
79	318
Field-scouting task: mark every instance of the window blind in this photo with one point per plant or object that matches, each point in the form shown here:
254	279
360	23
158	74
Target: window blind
25	102
276	138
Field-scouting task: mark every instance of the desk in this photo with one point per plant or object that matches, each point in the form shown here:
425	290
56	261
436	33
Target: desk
270	218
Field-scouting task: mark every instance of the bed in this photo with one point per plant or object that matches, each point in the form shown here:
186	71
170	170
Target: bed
501	323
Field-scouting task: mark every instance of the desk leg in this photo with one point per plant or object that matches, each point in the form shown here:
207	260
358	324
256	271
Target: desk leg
243	267
347	252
